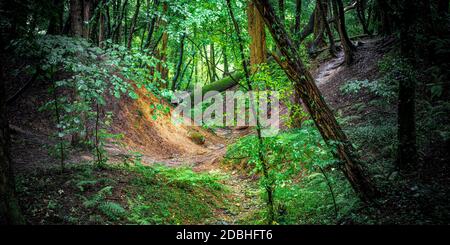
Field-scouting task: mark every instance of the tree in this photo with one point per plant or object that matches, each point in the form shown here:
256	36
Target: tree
298	17
323	117
9	207
407	151
76	19
161	67
257	33
133	24
323	15
180	62
361	14
347	45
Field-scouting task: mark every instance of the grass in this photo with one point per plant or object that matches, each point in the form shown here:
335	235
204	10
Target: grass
120	195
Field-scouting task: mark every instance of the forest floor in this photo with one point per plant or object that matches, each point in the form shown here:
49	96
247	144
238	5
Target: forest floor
162	144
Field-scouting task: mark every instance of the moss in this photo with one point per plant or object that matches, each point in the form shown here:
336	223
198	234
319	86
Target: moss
197	137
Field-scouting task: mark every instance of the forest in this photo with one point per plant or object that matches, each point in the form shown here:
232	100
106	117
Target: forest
225	112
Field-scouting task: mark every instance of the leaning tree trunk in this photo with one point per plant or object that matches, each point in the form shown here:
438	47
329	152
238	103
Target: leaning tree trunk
316	105
9	208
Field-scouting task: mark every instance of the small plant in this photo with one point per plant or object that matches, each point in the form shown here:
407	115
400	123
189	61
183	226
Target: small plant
197	137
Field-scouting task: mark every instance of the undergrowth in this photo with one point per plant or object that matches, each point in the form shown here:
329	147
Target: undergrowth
120	194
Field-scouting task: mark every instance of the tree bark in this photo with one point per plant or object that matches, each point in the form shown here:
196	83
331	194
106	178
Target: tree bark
361	14
323	12
256	30
9	207
151	27
133	24
347	45
180	62
281	8
323	117
56	22
76	18
119	19
407	150
160	67
298	16
212	60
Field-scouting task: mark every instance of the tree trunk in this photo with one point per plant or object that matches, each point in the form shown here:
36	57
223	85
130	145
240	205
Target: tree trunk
119	19
323	12
318	30
151	26
212	60
180	62
76	18
407	151
160	67
88	8
226	66
56	23
281	8
133	24
9	207
298	16
361	14
347	45
314	102
256	30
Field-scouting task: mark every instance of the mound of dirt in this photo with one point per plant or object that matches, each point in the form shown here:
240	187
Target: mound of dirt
152	132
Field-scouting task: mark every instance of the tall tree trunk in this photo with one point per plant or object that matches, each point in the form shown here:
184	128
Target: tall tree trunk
318	30
56	23
226	66
163	50
208	65
88	9
407	151
256	30
9	207
282	9
316	105
180	62
323	14
385	16
101	25
76	18
361	14
118	20
151	26
347	45
212	60
298	18
133	24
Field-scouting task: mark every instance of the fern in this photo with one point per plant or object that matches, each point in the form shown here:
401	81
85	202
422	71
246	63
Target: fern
98	197
113	210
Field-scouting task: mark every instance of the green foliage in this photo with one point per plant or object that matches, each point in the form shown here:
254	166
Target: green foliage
113	210
293	157
164	195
